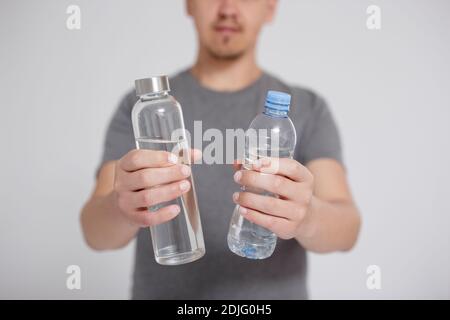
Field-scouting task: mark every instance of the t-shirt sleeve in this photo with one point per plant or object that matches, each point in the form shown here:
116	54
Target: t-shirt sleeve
119	138
320	138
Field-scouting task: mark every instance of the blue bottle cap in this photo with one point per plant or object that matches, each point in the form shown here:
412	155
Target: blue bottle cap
277	100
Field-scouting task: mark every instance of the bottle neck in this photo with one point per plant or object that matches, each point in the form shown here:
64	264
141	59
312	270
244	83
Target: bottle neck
154	95
275	113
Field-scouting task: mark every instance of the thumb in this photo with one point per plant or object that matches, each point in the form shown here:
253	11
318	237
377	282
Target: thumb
196	155
190	156
237	164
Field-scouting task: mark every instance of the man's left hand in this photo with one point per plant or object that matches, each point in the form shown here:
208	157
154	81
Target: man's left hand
287	215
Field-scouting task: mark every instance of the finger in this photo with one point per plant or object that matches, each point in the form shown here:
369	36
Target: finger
269	205
160	194
141	159
145	218
279	185
195	155
287	167
237	164
146	178
277	225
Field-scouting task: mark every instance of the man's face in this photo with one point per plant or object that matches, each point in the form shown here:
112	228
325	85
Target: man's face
228	28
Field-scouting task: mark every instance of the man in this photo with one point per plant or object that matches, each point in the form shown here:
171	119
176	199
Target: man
226	89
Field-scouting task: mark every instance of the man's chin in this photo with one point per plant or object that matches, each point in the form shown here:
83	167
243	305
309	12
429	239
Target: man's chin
226	54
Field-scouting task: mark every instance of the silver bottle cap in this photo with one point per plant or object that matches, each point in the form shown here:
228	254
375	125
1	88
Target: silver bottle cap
152	85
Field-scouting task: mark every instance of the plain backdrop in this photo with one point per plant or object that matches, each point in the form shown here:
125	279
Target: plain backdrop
388	89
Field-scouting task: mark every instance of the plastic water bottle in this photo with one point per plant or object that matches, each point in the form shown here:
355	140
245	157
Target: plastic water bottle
271	134
158	125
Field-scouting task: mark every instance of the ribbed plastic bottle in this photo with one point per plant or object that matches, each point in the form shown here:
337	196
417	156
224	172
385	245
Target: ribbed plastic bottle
271	134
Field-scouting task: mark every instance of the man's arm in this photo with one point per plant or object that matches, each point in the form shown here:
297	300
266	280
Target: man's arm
314	206
104	226
333	222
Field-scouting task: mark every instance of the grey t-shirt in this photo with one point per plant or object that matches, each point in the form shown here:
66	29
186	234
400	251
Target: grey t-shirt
220	274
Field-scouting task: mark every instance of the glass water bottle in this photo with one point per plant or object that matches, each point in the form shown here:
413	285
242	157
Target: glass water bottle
158	125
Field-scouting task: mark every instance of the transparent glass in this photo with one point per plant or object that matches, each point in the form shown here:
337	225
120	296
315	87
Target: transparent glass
271	134
158	125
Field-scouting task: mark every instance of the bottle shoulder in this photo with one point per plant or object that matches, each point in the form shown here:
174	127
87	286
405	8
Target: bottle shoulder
281	129
264	121
161	104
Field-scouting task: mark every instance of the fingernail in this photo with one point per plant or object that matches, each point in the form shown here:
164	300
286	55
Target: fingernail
185	170
173	158
175	209
184	186
237	176
242	210
235	196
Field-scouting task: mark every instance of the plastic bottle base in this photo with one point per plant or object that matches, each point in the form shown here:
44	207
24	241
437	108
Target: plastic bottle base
180	258
250	251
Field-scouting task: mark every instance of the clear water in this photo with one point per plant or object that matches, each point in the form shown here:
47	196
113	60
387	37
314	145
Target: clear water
179	240
245	238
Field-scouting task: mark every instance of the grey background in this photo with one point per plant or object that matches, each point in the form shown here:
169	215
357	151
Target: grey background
388	89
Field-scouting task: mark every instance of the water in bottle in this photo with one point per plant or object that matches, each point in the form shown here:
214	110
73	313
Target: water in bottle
271	134
158	125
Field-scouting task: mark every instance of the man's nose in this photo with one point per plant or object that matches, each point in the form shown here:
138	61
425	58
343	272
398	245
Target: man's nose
228	8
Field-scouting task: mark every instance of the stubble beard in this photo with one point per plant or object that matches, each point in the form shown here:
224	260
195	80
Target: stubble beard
226	55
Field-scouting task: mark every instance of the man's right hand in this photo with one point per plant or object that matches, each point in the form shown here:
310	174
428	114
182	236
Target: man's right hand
144	178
